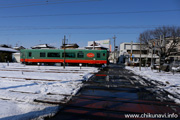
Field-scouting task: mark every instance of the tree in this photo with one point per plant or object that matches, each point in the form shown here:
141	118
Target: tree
167	45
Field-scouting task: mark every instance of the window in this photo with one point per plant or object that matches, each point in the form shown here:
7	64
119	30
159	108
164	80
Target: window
103	54
30	54
80	54
135	59
53	54
98	55
70	55
42	54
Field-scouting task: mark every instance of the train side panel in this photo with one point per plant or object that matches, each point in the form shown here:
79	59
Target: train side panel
57	56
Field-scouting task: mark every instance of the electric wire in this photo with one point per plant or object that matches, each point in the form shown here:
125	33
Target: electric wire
44	1
11	28
80	1
98	13
68	33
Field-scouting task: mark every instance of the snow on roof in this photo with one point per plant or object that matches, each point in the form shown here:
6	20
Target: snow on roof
7	49
43	46
96	45
16	47
71	45
99	46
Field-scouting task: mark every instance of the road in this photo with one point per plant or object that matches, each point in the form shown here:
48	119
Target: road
114	93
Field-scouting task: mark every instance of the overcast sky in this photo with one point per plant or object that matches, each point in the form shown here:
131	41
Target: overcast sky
32	22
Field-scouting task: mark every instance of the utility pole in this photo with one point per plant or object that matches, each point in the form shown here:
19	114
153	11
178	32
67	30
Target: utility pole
64	43
114	47
131	46
93	45
140	55
160	54
131	51
152	50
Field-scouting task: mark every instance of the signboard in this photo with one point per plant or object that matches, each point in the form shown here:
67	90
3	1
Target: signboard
90	55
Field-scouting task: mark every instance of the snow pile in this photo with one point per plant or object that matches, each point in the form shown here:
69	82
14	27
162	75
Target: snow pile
25	91
176	68
170	82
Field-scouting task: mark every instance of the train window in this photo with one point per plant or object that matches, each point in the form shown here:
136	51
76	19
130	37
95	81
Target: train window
98	55
70	55
53	54
80	55
103	54
30	54
42	54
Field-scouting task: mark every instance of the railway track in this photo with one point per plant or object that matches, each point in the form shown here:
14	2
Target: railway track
41	71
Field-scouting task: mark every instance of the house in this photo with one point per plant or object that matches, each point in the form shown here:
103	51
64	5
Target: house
99	45
6	53
96	46
19	48
70	46
43	46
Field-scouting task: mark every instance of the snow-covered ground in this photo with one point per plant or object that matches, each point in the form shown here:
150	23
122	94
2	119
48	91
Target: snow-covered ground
26	90
170	82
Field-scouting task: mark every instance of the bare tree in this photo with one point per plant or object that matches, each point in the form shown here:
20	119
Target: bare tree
167	46
146	36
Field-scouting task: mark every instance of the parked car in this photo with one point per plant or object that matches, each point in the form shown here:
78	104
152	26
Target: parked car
175	66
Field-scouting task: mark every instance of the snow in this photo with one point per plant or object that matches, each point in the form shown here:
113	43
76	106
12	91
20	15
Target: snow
169	82
24	88
176	68
7	49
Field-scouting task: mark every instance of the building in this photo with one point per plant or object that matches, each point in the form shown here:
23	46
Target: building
43	46
99	44
168	47
96	46
6	53
130	53
19	48
16	56
70	46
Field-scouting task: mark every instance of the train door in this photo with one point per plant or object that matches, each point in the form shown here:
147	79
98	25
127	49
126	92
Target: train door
29	55
98	56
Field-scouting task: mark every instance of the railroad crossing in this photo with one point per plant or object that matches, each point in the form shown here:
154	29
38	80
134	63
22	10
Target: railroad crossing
113	93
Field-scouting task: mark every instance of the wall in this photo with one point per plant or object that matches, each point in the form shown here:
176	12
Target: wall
16	57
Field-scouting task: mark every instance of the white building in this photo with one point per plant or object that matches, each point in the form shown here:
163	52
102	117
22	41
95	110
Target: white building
101	43
130	52
16	57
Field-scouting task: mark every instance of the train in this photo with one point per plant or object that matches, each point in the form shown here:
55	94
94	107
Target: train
58	56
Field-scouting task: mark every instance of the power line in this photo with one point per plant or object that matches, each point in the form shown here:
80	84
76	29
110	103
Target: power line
46	33
5	28
51	3
44	1
62	28
98	13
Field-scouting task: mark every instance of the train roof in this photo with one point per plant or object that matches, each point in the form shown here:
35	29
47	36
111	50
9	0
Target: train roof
60	49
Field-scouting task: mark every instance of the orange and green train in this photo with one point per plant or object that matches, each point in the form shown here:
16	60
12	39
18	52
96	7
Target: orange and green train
72	56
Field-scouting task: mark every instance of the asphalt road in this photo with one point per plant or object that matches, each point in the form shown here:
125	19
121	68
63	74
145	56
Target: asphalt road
114	93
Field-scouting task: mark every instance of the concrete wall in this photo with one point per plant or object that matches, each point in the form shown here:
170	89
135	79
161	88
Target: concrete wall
16	57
